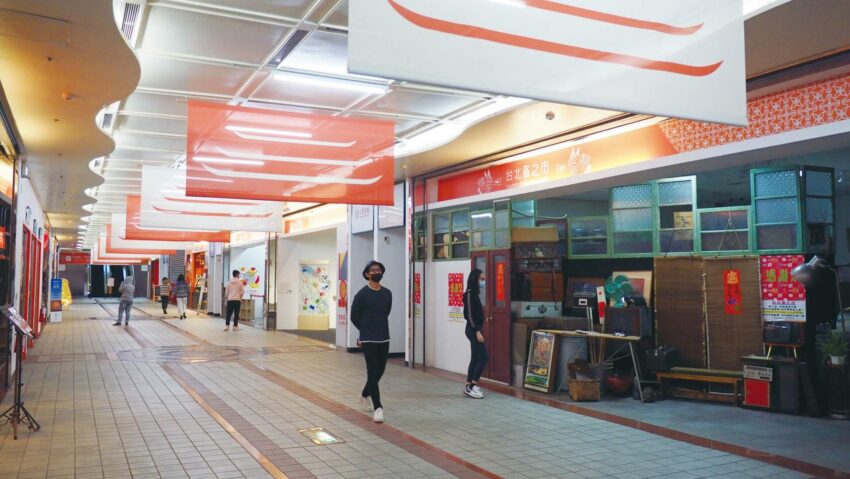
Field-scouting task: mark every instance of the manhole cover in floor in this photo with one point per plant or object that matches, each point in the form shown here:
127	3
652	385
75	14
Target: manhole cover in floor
190	354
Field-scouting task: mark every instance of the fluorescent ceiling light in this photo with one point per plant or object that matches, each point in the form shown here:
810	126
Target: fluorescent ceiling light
511	3
322	82
233	161
266	131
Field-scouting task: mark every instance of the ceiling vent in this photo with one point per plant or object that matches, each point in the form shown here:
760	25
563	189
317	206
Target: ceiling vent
287	48
130	21
106	122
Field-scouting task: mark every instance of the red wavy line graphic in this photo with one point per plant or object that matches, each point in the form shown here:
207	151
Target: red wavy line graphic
611	18
470	31
197	213
229	203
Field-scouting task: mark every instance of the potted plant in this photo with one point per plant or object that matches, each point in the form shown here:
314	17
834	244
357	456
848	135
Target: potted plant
836	347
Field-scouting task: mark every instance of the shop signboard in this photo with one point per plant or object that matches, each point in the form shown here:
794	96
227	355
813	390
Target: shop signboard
55	294
625	51
541	362
456	297
732	295
165	204
74	257
782	298
261	154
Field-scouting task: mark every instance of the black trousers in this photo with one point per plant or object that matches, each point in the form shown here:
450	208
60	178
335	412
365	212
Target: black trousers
376	362
164	301
233	309
479	358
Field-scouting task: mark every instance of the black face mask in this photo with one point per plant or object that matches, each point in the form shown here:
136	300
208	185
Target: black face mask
377	277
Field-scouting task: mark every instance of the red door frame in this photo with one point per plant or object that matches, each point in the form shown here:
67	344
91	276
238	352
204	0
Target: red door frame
25	279
38	279
496	265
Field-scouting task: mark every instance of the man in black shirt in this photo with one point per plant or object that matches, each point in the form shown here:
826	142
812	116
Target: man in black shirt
370	313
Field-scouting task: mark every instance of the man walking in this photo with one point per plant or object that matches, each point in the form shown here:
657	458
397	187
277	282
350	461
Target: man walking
164	293
234	292
370	313
127	290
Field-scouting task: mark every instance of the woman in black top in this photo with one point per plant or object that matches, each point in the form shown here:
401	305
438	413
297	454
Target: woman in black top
370	313
473	312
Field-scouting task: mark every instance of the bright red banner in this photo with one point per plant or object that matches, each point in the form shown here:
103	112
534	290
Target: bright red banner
456	296
134	231
74	257
732	296
500	281
417	288
113	249
249	153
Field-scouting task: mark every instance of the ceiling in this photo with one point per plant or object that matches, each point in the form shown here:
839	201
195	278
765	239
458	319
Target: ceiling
52	71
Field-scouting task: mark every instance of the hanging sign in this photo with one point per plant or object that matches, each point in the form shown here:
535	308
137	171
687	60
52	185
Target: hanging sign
782	298
628	53
115	244
732	296
74	257
128	226
165	205
250	153
456	297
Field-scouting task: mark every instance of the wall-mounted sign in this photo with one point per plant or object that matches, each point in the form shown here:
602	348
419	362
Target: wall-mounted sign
677	58
362	218
456	289
732	295
256	154
782	298
74	257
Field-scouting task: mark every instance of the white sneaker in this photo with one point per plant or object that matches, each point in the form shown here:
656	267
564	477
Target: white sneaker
227	328
477	390
236	328
365	404
472	392
379	415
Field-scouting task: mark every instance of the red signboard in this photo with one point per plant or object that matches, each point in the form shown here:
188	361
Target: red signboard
417	288
134	231
732	296
500	281
250	153
74	257
456	296
783	298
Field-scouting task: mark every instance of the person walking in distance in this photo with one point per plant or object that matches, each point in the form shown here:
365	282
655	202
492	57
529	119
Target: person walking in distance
164	293
473	312
370	313
127	290
234	292
181	292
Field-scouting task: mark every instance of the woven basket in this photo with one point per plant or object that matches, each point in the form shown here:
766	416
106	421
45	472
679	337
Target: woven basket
584	389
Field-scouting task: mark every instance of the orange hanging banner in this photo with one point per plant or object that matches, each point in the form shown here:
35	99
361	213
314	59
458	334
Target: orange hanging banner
134	230
249	153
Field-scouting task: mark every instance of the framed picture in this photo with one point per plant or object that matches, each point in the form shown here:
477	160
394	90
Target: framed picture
581	292
542	355
683	220
641	282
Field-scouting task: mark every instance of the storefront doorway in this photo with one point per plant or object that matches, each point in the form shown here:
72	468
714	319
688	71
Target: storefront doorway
496	265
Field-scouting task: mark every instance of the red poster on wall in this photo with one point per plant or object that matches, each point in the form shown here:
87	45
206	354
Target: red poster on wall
732	296
500	281
257	154
456	296
417	288
782	298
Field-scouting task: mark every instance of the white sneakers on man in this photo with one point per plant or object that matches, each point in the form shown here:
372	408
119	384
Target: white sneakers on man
473	391
379	415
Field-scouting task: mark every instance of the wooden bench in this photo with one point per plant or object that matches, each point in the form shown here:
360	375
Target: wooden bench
709	376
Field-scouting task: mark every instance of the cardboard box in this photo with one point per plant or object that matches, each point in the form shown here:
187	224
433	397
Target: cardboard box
546	234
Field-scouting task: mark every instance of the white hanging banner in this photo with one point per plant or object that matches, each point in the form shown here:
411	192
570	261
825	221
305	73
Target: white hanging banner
116	240
678	58
164	204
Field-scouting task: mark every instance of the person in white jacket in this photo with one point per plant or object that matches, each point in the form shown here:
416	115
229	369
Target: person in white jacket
127	290
234	292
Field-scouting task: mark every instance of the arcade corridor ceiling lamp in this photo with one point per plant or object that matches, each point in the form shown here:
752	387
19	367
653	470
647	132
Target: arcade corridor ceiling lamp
326	82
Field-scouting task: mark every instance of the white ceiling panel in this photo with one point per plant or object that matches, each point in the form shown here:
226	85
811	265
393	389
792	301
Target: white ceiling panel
339	17
177	76
407	102
152	142
156	104
291	9
209	36
170	126
305	94
321	52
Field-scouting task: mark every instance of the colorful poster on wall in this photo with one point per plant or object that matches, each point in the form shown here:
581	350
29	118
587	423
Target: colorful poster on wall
732	296
456	297
342	291
314	290
417	295
782	298
252	280
541	356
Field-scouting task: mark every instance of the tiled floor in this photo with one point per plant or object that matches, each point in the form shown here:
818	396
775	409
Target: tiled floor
184	399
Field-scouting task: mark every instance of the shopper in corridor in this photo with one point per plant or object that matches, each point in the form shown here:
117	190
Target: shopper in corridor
181	292
370	313
127	290
473	312
164	293
234	292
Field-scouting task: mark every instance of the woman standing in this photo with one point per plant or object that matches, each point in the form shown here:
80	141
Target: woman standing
473	312
370	313
164	293
127	290
181	292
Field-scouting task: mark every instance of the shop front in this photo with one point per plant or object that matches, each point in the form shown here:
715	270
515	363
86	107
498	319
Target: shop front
247	253
688	231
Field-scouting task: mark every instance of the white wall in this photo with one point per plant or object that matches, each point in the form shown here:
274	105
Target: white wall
446	346
249	257
291	251
392	252
361	250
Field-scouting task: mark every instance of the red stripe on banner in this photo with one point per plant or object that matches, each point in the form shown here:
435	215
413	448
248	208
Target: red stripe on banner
134	230
611	18
248	153
112	249
529	43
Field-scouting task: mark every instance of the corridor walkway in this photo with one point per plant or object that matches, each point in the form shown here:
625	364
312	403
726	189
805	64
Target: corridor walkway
184	399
